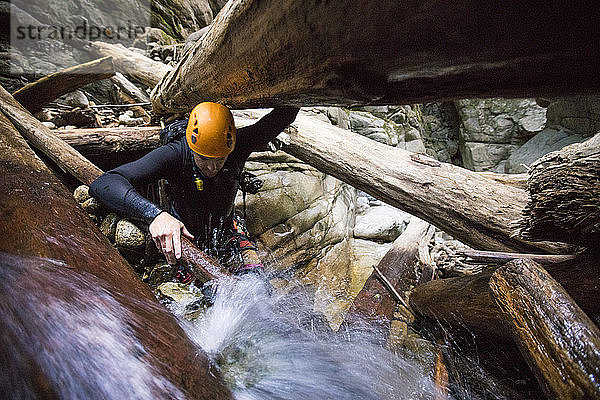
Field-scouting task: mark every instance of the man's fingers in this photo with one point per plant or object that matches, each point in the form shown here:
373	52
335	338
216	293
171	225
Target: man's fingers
177	244
168	249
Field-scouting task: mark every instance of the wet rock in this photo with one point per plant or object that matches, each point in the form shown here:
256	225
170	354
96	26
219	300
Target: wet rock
160	273
109	226
129	236
179	292
91	205
49	124
152	35
82	193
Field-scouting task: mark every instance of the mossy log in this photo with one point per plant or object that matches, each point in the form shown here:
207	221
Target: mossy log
262	54
478	211
39	218
35	95
564	196
466	302
134	65
559	342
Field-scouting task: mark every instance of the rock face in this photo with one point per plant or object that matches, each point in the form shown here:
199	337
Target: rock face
492	129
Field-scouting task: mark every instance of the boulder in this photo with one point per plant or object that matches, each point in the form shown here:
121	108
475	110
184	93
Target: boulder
543	143
578	114
109	226
129	236
478	156
380	223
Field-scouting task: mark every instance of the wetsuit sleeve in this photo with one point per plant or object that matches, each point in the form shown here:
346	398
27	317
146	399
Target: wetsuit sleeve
115	189
255	137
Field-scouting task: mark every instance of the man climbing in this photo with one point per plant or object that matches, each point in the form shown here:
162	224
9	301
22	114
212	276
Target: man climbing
203	171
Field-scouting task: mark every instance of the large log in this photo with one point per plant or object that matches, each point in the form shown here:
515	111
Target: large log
473	209
42	138
399	265
102	141
134	65
40	219
35	95
564	196
259	53
466	302
559	342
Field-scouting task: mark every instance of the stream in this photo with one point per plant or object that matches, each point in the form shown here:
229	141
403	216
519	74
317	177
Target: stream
73	340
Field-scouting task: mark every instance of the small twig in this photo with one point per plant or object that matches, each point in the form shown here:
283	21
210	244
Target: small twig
389	287
496	256
120	105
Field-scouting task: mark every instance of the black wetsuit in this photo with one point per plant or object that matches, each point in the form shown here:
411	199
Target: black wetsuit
200	211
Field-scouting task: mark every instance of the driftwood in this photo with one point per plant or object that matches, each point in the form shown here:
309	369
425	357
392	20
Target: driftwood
475	210
261	54
129	88
204	267
466	302
559	342
42	138
101	141
35	95
564	189
134	65
399	266
39	218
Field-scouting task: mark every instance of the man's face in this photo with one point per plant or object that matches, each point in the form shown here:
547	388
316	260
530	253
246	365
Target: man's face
209	166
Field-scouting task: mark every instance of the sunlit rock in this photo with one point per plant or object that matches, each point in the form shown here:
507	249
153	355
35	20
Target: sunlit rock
81	193
128	236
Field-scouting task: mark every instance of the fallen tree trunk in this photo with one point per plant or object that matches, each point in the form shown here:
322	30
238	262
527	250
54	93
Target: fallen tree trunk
399	266
500	257
130	89
35	95
134	65
559	342
261	54
564	196
42	138
40	219
101	141
466	302
473	209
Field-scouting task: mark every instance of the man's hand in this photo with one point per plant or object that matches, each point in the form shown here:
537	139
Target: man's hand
166	232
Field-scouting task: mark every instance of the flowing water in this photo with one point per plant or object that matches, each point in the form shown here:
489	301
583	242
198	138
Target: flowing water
73	340
268	347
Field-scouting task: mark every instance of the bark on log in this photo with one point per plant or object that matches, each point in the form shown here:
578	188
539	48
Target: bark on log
399	264
95	142
42	138
564	190
39	218
35	95
473	209
130	89
205	268
559	342
261	54
466	302
134	65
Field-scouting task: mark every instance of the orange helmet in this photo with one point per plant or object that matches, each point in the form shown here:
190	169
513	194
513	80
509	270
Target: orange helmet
211	130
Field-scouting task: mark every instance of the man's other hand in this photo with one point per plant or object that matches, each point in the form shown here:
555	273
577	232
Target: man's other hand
166	232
